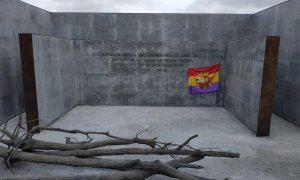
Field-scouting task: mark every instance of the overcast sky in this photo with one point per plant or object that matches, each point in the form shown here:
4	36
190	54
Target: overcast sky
155	6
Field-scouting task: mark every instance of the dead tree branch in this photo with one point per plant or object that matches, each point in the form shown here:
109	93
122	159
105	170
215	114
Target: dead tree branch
82	154
157	166
187	141
87	133
141	151
32	144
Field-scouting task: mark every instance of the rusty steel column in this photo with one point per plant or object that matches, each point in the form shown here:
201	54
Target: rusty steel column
268	85
29	85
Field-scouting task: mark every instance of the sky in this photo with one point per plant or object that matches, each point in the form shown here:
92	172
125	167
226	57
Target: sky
155	6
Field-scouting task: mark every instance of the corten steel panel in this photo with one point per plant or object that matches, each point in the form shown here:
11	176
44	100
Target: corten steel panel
28	74
268	85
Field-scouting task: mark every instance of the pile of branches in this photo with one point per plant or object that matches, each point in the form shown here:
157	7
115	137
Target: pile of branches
24	147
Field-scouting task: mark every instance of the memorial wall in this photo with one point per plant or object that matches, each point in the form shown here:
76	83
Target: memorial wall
148	73
142	59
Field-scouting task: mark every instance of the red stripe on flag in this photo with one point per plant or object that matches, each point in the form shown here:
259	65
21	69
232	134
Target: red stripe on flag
209	69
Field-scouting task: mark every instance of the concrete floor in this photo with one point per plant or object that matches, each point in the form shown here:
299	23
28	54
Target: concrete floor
274	157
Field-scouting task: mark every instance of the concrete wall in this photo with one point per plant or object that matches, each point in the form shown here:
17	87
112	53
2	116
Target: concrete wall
57	76
244	71
70	72
113	28
133	80
284	20
152	27
147	73
16	17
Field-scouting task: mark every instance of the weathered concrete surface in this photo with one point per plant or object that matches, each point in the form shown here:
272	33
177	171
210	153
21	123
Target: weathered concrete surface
284	20
275	157
153	27
244	71
147	73
71	72
57	76
149	80
16	17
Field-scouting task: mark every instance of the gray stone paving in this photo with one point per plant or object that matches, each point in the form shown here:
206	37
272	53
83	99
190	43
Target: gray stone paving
275	157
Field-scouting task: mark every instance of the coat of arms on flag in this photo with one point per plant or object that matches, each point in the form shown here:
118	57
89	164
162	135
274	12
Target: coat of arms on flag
204	79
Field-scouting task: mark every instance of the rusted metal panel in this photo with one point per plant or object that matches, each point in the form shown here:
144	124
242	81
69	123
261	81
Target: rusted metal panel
268	85
29	85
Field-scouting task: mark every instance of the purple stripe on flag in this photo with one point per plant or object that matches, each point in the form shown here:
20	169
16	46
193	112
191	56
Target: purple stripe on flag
212	88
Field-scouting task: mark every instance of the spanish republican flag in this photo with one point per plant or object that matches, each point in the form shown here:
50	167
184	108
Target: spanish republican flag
204	80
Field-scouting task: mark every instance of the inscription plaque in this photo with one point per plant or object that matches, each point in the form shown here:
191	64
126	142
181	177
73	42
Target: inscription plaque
149	62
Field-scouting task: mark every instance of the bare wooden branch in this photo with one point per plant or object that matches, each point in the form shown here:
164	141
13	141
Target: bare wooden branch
87	133
82	154
186	160
167	170
18	127
140	151
156	166
187	141
141	132
192	166
7	142
71	161
8	134
44	145
4	128
142	174
130	174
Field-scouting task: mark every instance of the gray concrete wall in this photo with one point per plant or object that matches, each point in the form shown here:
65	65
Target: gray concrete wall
157	29
153	27
57	76
244	71
284	20
113	28
16	17
147	73
70	72
134	80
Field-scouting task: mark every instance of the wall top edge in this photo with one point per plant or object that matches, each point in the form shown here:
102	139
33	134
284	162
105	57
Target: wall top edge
27	4
150	13
276	5
96	13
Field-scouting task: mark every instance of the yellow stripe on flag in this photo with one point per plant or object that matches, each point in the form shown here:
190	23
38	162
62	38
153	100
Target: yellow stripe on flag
192	79
215	77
